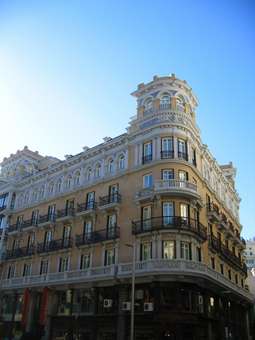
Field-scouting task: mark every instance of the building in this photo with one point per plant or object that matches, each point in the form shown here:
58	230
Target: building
72	224
249	254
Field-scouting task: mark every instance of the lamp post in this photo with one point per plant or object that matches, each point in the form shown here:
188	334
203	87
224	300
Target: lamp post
132	322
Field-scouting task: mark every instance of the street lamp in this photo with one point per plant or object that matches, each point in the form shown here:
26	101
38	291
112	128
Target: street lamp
132	322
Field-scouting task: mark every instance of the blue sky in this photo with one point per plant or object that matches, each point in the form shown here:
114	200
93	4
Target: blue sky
67	69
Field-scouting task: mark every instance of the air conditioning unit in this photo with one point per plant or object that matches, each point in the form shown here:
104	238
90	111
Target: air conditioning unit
126	305
107	303
148	307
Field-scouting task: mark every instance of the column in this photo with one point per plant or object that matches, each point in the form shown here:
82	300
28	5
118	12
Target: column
157	148
175	147
159	248
154	247
178	246
140	154
136	154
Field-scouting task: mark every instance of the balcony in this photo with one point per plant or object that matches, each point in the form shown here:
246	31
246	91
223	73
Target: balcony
19	252
14	228
29	224
169	187
183	155
109	201
65	214
97	236
225	253
170	223
47	219
86	208
169	154
147	159
213	213
54	245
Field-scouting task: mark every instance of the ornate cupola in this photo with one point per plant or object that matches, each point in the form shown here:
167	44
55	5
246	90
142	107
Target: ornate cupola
164	100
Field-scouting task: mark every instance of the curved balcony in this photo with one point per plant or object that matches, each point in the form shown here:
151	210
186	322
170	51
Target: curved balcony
170	223
169	187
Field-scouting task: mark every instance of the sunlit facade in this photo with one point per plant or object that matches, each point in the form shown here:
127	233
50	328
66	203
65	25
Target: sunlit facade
67	258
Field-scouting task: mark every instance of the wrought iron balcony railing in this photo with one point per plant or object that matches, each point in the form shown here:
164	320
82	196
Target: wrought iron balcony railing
147	159
48	218
167	154
110	199
171	223
110	233
183	155
67	212
87	206
54	245
19	252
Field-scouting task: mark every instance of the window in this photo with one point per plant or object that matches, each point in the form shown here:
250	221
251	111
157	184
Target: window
194	157
35	217
147	181
51	188
167	148
11	271
113	193
27	269
198	254
110	166
148	104
186	252
168	213
90	201
165	101
147	152
180	104
3	201
89	174
31	241
213	262
66	235
146	217
222	268
68	182
184	212
85	261
59	185
48	236
41	192
236	279
87	230
167	174
121	162
182	149
77	178
183	177
44	266
97	171
51	212
63	264
19	220
229	274
145	251
168	250
109	257
111	225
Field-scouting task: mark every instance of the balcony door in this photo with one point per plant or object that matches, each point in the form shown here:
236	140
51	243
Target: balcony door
87	231
146	217
183	178
184	213
90	200
48	236
168	213
51	212
113	193
66	235
167	147
111	225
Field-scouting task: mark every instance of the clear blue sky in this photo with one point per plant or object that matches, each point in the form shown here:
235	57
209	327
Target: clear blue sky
67	69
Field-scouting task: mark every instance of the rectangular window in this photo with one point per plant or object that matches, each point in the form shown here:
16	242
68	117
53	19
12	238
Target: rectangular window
168	250
183	176
111	225
147	152
19	220
168	213
167	174
145	251
198	254
34	217
167	148
182	149
184	213
147	181
51	212
3	201
69	206
236	279
186	252
44	266
11	271
48	236
90	201
85	261
27	269
87	229
109	257
113	193
63	264
31	240
222	268
194	157
229	274
213	262
66	235
146	217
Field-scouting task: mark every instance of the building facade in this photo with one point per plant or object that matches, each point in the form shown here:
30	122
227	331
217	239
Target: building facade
249	254
71	226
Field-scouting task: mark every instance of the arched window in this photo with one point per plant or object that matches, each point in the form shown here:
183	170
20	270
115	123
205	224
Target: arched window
97	171
77	178
89	174
26	197
165	101
180	103
121	162
20	200
110	166
68	181
59	185
41	192
51	188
